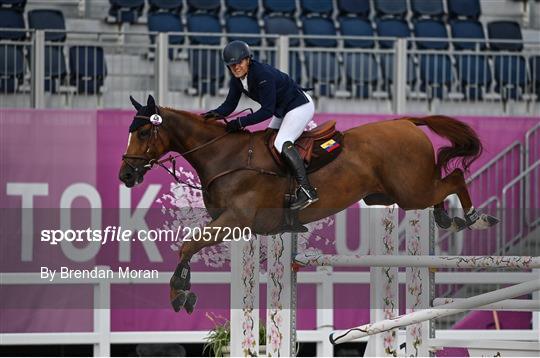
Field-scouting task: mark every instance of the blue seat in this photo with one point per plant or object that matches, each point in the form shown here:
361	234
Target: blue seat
166	22
164	5
126	10
319	26
432	8
207	71
13	19
242	6
88	68
281	25
280	7
505	30
393	28
11	67
469	30
14	4
430	28
352	26
55	67
48	19
464	8
359	8
510	75
534	63
473	71
320	7
211	6
243	24
394	8
203	23
361	71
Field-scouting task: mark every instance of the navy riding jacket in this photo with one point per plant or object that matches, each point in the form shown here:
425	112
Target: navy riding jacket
274	90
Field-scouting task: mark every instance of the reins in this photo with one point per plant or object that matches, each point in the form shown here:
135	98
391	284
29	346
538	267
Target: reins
150	162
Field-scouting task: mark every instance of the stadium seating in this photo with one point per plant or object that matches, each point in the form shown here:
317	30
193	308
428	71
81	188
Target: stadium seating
464	8
241	6
164	5
48	19
281	25
211	6
351	26
393	28
279	7
11	67
206	66
510	69
431	8
166	22
10	18
13	4
473	71
126	10
435	69
55	67
87	68
394	8
319	7
322	67
357	8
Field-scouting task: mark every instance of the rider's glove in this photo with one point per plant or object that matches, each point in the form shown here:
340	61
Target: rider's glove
234	126
211	115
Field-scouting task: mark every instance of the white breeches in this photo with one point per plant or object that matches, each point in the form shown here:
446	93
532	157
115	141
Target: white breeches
293	123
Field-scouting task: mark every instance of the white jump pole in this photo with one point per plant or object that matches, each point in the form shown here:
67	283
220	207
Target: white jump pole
420	240
245	298
383	240
487	262
506	305
281	297
441	311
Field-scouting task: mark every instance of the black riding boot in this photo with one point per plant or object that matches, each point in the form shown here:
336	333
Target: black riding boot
305	194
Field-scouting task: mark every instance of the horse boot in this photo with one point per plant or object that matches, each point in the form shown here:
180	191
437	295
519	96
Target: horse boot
180	286
305	194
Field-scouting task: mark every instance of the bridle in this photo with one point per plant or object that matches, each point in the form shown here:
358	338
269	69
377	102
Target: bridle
149	162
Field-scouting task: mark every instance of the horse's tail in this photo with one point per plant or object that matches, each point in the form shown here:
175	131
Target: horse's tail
465	142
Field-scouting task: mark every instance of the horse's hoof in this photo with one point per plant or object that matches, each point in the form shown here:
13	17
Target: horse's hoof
485	221
179	300
458	224
191	301
442	219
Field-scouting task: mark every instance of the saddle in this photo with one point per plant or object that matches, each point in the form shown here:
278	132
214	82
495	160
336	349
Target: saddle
317	147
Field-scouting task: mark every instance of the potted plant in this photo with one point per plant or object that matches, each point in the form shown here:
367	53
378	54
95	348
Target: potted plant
219	338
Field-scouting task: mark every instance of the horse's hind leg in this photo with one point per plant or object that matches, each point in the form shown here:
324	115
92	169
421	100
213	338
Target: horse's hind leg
455	183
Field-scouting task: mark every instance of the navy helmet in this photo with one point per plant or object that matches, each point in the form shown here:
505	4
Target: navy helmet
235	52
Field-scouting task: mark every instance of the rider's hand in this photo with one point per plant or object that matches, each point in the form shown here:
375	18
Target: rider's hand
233	126
211	115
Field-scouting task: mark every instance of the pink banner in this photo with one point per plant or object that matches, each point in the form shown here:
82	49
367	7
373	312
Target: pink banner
53	159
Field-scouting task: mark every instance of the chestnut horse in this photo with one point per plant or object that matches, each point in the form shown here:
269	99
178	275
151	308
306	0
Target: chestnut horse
383	163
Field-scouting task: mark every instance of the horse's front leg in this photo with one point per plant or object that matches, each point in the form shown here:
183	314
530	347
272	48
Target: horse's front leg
180	283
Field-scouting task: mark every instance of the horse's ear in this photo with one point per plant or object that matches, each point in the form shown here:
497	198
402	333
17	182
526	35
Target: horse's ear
151	102
136	104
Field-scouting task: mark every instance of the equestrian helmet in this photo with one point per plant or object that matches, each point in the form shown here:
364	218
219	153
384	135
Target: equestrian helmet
235	52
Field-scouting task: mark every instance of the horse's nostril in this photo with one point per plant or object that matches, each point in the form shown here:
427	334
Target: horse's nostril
126	176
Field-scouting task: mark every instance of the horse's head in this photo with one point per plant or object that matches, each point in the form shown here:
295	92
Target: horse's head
146	143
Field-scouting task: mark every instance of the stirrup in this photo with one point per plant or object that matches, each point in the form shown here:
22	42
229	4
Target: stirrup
304	198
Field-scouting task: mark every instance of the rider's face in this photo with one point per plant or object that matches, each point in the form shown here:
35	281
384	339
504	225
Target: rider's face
240	70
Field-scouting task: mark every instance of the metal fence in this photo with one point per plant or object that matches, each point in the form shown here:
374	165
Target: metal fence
89	69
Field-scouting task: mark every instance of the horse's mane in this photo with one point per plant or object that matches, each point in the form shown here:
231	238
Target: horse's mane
194	117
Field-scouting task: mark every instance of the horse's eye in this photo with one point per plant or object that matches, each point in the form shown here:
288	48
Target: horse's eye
144	133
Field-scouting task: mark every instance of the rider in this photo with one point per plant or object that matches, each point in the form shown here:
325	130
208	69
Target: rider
281	98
